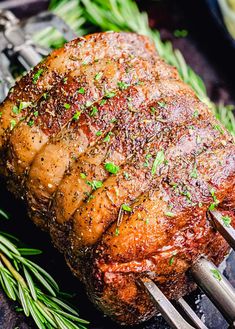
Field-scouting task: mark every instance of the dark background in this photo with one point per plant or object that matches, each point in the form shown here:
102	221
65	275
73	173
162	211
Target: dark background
211	54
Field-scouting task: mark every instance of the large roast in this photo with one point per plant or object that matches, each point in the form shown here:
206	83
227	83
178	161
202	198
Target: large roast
120	161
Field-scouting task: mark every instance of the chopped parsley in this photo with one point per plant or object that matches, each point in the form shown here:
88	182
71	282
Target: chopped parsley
98	133
147	157
102	102
94	111
22	106
117	231
111	167
67	106
107	137
216	274
76	115
162	104
12	124
171	261
81	91
195	114
226	220
95	184
37	76
152	109
31	123
125	207
98	75
82	175
194	173
35	113
214	204
122	85
158	161
169	214
110	94
180	33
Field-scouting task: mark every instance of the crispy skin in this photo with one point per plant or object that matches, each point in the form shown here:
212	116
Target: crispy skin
174	160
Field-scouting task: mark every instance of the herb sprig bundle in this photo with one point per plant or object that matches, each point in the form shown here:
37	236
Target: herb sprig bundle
34	289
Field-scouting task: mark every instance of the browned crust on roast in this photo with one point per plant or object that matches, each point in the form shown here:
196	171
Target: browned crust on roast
166	228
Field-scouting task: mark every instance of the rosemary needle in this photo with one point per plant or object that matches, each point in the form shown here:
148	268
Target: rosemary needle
34	289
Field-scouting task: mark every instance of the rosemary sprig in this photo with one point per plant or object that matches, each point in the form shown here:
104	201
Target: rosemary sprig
124	15
34	289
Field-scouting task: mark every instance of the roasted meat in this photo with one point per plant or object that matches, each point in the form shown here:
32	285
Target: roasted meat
120	161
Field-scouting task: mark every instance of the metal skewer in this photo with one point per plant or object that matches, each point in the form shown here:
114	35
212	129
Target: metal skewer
227	231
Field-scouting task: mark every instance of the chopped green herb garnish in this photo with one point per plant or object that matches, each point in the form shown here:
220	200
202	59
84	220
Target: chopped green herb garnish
12	124
158	161
15	109
76	115
110	94
82	175
45	95
98	75
107	137
195	114
111	167
117	231
125	207
122	85
162	104
35	113
0	114
194	173
216	274
65	80
67	106
94	111
95	184
31	123
147	157
37	76
169	214
102	102
98	133
113	120
81	91
180	33
226	220
172	259
153	109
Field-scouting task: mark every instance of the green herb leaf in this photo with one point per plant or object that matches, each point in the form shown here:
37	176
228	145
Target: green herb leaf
226	220
110	94
98	76
122	85
94	111
67	106
169	214
81	91
125	207
216	274
158	161
76	115
37	76
111	167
